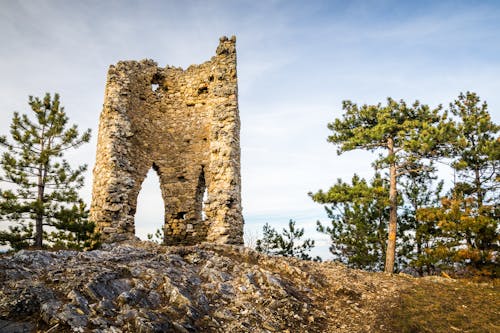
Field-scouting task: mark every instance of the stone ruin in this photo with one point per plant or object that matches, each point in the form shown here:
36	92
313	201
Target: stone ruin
185	125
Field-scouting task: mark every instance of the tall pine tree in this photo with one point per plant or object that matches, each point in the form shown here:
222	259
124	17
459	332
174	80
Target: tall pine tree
404	134
466	223
476	149
40	189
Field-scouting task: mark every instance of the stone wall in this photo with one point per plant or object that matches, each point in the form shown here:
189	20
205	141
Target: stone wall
185	125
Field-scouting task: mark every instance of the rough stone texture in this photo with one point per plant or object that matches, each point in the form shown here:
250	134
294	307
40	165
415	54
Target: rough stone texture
144	287
185	125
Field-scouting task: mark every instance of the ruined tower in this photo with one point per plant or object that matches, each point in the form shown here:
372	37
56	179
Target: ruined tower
185	125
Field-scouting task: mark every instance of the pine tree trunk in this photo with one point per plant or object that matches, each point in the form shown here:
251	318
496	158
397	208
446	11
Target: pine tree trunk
418	240
39	232
42	169
477	183
393	206
418	237
39	215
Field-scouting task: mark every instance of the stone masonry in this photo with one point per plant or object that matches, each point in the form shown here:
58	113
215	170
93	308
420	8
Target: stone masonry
185	125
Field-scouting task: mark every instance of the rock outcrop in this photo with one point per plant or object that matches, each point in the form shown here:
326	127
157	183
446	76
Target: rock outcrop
145	287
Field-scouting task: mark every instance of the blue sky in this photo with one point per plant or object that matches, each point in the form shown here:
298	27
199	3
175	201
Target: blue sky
297	61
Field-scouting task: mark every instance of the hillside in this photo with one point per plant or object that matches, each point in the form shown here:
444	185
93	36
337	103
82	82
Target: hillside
144	287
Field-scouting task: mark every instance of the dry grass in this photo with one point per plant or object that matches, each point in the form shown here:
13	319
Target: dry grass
455	306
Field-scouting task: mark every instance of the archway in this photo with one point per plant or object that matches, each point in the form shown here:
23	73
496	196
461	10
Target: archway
150	211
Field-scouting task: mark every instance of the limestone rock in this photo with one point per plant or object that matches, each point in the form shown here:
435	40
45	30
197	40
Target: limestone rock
145	287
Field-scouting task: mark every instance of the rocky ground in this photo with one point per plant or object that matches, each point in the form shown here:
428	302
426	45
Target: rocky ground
144	287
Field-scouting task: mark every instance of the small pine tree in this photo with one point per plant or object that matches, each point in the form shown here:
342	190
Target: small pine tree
267	243
286	244
157	237
420	191
466	235
39	187
359	215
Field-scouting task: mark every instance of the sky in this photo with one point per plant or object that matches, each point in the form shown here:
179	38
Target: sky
297	62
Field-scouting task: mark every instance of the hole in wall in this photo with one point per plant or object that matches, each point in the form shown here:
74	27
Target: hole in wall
230	203
202	90
150	210
181	215
203	204
156	80
202	194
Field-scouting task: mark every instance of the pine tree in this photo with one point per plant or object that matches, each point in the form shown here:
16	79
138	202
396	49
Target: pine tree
40	188
287	244
157	237
466	235
466	223
359	215
476	149
477	192
407	135
420	191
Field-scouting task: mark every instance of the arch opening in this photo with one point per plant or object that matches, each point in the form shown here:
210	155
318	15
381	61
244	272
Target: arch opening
202	194
204	201
150	210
